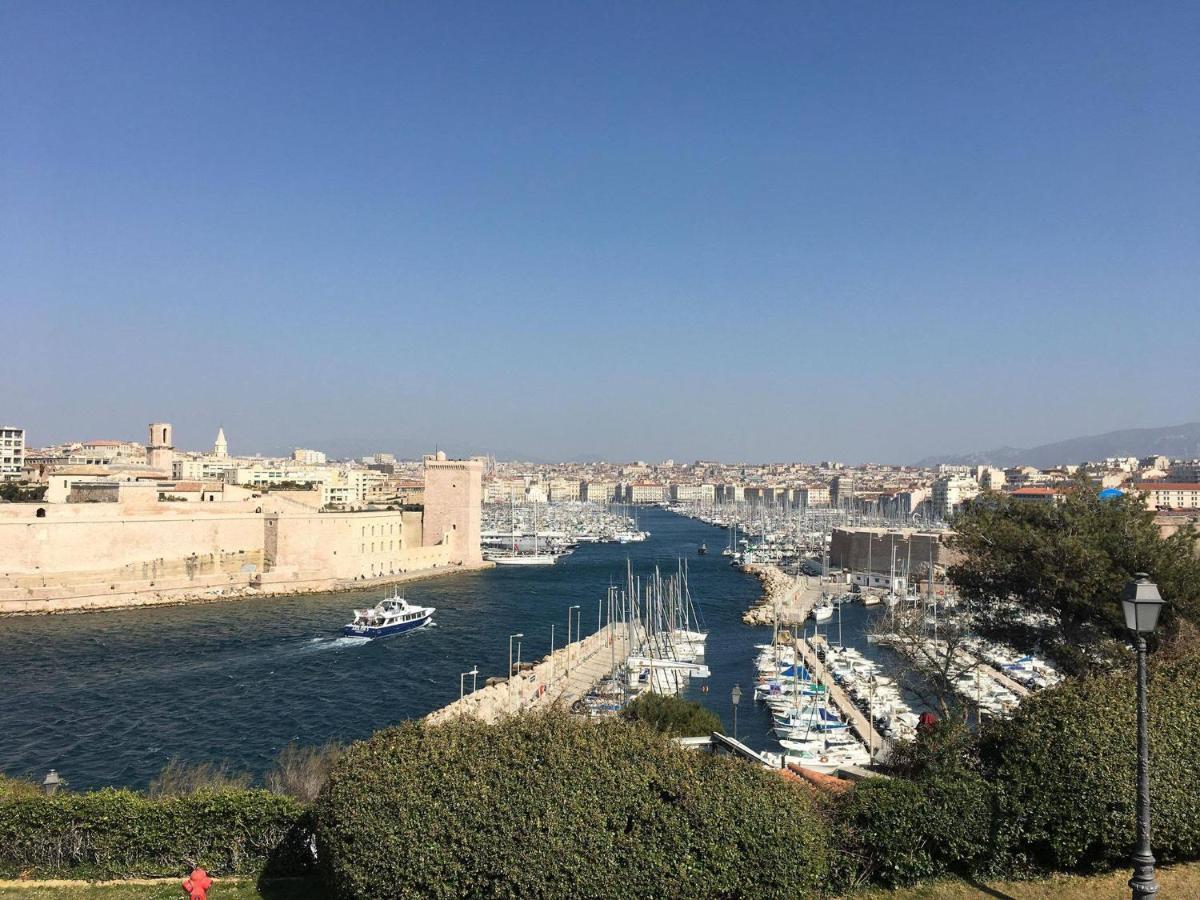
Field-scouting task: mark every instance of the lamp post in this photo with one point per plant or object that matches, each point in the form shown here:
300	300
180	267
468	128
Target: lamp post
1142	603
736	697
570	610
462	678
52	782
510	656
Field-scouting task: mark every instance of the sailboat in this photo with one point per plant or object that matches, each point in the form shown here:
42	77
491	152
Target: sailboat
515	557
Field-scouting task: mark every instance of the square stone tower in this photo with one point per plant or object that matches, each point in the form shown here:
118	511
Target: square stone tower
160	451
453	498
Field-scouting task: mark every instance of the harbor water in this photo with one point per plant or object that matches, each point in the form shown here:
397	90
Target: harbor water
108	698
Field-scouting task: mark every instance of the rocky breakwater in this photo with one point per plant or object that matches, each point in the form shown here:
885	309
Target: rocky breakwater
789	596
560	678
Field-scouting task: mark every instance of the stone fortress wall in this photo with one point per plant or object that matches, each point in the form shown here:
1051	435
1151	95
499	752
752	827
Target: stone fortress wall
137	551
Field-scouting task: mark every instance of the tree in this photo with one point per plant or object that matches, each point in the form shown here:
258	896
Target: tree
21	492
934	654
1054	573
672	715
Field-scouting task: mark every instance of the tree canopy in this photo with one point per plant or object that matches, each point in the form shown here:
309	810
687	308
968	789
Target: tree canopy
672	715
1064	565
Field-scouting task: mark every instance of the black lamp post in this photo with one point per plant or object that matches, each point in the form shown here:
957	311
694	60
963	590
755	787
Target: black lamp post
736	697
1142	603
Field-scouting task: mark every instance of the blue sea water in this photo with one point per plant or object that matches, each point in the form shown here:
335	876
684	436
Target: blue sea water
108	698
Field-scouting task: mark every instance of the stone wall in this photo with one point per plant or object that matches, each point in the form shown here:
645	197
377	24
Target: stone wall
858	549
74	556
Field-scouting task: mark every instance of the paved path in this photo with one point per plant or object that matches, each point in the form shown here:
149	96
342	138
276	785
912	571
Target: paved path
564	677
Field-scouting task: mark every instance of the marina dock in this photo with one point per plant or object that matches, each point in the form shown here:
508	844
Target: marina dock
865	729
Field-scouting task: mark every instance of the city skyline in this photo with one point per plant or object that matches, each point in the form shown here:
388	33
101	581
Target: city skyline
679	231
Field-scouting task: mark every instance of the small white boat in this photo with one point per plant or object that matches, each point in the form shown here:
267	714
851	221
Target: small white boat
392	616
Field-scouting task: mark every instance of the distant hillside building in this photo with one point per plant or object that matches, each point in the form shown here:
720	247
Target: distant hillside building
12	452
950	492
1170	494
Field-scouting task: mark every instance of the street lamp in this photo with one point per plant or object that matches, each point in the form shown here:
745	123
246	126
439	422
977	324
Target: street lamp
52	782
462	678
736	697
510	658
569	611
1142	603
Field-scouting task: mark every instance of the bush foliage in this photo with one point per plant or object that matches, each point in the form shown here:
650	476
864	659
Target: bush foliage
672	715
1064	770
549	806
111	833
1050	789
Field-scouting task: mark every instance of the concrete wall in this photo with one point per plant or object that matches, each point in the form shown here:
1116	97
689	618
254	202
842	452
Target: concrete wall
858	548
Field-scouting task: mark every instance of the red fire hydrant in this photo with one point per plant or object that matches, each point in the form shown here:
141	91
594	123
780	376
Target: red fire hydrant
197	884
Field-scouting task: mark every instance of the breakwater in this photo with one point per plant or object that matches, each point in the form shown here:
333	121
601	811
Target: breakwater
790	597
561	678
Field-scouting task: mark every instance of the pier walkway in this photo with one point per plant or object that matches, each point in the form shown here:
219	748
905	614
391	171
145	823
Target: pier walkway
563	677
879	746
969	662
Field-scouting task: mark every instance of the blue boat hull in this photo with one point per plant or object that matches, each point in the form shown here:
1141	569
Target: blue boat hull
384	630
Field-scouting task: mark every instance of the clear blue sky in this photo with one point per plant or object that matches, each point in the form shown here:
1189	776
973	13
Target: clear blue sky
748	231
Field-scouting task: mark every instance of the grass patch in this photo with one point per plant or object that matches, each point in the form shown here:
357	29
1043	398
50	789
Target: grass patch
223	889
1175	881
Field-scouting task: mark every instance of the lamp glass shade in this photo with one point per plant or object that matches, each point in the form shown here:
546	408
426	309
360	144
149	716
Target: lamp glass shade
737	695
1141	603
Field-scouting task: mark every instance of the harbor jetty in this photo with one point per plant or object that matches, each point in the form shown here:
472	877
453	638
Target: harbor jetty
563	677
790	597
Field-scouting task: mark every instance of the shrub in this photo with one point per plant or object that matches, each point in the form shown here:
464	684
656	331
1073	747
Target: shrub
1064	769
179	778
896	830
119	834
301	772
550	806
672	715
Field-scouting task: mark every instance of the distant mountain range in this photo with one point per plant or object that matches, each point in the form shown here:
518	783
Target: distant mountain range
1175	441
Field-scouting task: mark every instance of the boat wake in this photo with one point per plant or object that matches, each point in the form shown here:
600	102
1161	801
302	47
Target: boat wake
339	643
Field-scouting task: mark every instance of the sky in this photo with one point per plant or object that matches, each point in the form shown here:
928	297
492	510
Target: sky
745	231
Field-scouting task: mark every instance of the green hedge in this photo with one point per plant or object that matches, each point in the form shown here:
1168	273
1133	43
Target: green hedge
1064	767
548	806
119	834
896	830
1052	788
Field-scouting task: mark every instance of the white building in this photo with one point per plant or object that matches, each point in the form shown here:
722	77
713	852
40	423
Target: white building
202	468
1170	494
644	492
12	452
693	493
599	491
308	457
951	492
